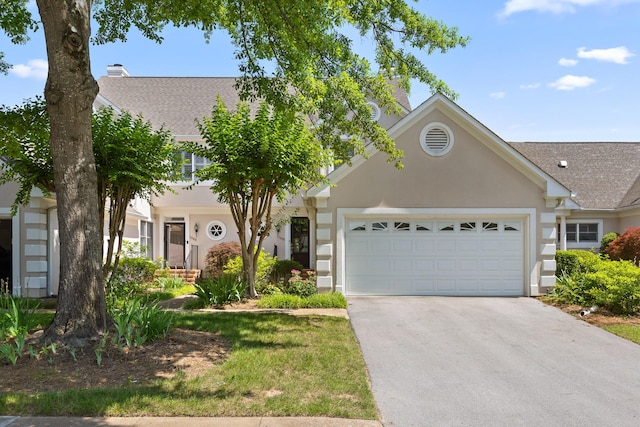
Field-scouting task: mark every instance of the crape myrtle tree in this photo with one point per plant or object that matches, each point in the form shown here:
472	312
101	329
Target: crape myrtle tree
256	161
132	160
294	54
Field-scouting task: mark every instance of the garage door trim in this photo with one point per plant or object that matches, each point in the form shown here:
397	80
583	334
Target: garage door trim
526	215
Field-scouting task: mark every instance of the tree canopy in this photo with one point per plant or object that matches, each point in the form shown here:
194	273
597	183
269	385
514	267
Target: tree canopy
296	55
254	162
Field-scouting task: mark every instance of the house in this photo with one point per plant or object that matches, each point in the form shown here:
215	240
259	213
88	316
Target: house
469	214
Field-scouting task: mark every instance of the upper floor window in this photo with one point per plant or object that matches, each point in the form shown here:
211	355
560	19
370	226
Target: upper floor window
192	164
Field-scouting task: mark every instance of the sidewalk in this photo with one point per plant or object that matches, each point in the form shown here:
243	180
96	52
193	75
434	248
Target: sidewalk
184	422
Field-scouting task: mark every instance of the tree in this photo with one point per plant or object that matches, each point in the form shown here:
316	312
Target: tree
254	162
315	71
132	160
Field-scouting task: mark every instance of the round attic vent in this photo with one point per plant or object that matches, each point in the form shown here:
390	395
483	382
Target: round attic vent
436	139
375	111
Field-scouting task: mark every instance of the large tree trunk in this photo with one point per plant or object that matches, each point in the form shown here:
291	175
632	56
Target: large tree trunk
70	91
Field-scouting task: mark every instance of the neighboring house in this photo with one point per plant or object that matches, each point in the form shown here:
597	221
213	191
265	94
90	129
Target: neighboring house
469	214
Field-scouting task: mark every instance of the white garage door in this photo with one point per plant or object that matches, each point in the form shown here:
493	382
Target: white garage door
434	257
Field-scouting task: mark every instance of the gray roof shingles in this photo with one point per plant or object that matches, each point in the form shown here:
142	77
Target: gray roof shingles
603	175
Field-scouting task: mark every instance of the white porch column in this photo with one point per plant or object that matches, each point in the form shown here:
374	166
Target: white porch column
563	233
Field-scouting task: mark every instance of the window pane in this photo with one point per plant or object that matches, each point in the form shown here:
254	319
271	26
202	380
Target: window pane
187	166
588	233
572	232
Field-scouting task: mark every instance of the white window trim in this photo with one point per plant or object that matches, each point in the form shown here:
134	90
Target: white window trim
221	224
375	111
583	245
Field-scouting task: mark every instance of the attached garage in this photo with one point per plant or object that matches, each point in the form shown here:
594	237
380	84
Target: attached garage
441	256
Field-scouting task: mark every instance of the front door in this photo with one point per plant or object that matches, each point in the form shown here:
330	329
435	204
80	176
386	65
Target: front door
300	240
6	273
174	244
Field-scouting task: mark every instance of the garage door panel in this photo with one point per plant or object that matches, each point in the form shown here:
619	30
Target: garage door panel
414	260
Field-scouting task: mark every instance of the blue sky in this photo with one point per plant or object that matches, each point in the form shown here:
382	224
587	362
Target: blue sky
534	70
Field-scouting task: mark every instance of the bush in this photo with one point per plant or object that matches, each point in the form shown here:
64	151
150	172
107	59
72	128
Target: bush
626	246
265	265
281	271
297	285
137	322
220	290
606	239
576	261
328	300
219	255
170	282
136	269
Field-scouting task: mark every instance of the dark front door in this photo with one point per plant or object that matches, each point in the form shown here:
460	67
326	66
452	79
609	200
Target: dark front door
6	273
300	240
174	245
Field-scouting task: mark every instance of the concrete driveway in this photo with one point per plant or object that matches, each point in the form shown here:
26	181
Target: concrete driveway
438	361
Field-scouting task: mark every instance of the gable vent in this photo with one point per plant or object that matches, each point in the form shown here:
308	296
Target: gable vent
436	139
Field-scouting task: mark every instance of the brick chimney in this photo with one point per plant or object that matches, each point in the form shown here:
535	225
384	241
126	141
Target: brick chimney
117	70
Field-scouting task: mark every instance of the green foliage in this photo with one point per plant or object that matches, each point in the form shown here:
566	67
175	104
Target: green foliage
137	322
575	261
626	246
613	285
219	255
606	239
24	149
17	318
300	285
169	283
324	300
220	290
140	270
281	271
263	271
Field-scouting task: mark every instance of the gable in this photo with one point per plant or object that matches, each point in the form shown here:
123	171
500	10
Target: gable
479	159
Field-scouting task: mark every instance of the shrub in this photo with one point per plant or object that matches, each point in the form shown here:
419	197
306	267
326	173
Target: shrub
281	271
265	265
616	287
137	269
626	246
328	300
297	285
606	239
219	255
576	261
170	282
220	290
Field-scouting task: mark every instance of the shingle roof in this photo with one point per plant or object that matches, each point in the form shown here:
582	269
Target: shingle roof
176	102
603	175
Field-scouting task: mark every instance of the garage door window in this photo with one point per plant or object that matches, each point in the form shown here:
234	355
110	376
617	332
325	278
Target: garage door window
489	226
402	226
379	226
468	226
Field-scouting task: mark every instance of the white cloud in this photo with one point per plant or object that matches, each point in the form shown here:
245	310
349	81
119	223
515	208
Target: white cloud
497	95
566	62
554	6
35	68
617	55
530	86
570	82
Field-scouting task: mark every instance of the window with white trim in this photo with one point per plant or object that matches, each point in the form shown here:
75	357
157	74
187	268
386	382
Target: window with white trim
216	230
581	232
192	164
146	238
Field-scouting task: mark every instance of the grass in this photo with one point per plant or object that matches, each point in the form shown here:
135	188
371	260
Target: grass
630	332
280	365
325	300
163	295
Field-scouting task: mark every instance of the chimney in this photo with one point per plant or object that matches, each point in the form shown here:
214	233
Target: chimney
117	70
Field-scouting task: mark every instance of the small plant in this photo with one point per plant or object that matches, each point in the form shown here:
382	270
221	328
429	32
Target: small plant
219	255
302	285
626	246
606	239
325	300
72	352
136	322
170	282
281	271
220	290
9	352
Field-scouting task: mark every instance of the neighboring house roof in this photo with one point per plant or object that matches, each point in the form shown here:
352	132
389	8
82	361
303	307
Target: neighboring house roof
602	175
172	102
176	102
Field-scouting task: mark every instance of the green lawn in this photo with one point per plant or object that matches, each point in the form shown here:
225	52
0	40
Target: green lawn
281	365
630	332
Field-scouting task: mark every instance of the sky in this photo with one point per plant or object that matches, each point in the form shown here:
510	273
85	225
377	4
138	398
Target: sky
534	70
